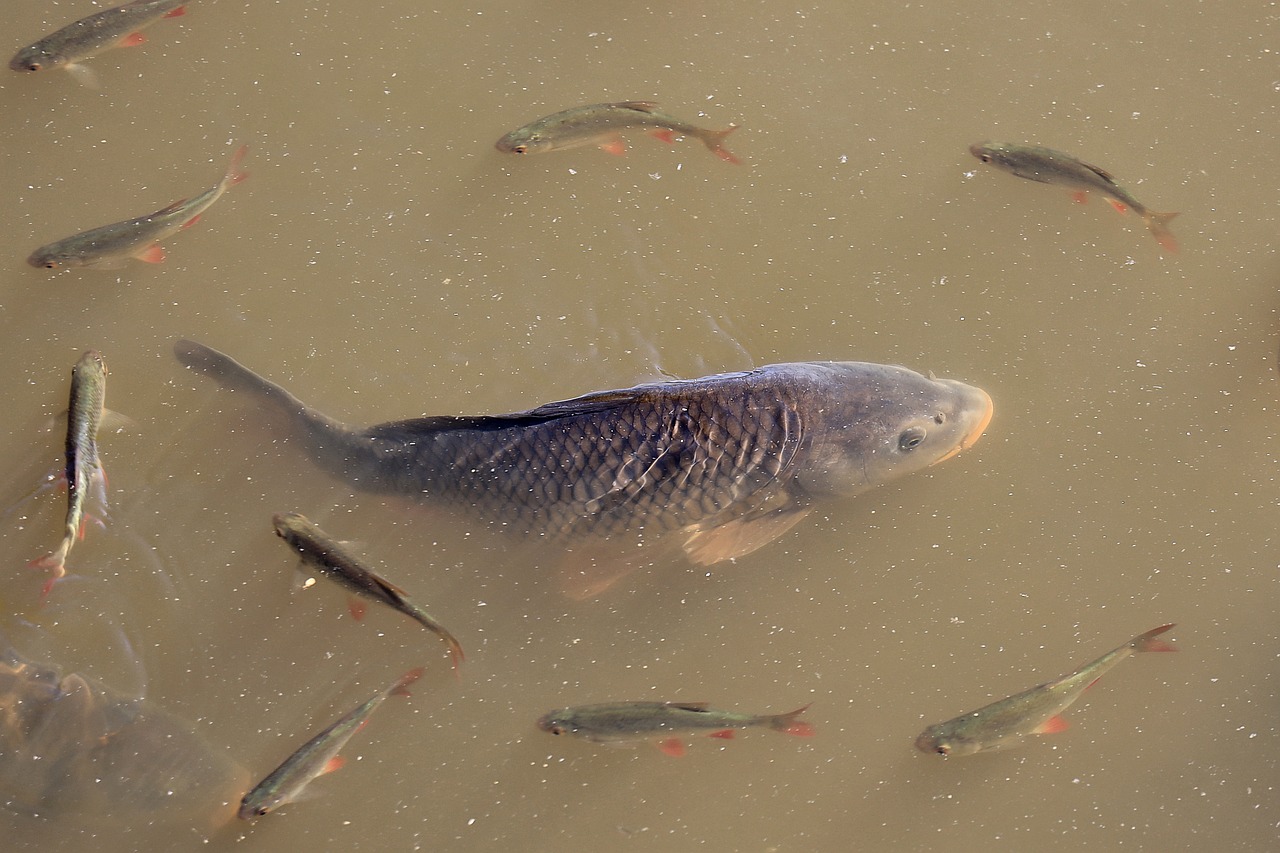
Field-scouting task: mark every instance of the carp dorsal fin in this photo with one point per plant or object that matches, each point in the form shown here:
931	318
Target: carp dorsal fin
642	106
589	404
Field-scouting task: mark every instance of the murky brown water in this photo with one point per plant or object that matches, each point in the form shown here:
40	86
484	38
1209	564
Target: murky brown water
384	261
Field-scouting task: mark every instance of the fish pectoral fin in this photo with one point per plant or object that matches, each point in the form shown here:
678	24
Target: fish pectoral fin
356	607
614	145
1053	725
591	567
335	763
672	746
725	734
711	543
84	75
152	254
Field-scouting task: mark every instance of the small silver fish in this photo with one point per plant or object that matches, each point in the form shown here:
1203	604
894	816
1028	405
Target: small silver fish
1032	712
1047	166
77	41
83	470
331	558
110	246
623	722
599	124
317	756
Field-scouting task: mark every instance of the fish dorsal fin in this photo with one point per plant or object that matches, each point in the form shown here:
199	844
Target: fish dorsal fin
586	405
642	106
707	544
1100	172
171	208
699	707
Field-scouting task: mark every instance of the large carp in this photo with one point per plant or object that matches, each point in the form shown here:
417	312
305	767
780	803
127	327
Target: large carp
727	462
70	746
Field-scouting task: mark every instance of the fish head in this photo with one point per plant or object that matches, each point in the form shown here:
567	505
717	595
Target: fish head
35	58
52	258
996	153
559	722
90	365
880	422
523	141
253	807
937	740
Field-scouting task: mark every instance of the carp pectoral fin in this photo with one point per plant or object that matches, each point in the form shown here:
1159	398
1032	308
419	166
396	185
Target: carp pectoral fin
739	536
592	566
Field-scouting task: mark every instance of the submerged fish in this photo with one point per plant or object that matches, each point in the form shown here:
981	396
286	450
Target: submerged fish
110	246
1055	167
622	722
328	556
317	756
77	41
1032	712
727	463
599	124
72	746
84	469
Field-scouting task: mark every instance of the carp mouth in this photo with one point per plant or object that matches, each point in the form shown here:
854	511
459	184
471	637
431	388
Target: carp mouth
974	434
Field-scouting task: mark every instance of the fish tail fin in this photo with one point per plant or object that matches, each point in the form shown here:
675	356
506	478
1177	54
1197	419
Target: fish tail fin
55	563
788	724
234	174
714	140
401	687
1148	642
1159	225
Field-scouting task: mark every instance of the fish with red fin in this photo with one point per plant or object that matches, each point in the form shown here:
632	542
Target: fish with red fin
1032	712
667	723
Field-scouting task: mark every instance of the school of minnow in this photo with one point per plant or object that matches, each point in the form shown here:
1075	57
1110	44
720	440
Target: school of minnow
718	467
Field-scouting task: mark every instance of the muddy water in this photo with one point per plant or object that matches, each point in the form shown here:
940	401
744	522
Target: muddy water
384	261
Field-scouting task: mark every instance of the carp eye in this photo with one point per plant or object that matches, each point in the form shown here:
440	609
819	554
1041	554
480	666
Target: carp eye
557	730
911	438
520	149
943	750
986	158
51	265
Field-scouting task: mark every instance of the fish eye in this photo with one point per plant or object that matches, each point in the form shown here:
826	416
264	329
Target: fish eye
911	438
51	265
943	749
986	158
520	149
557	730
